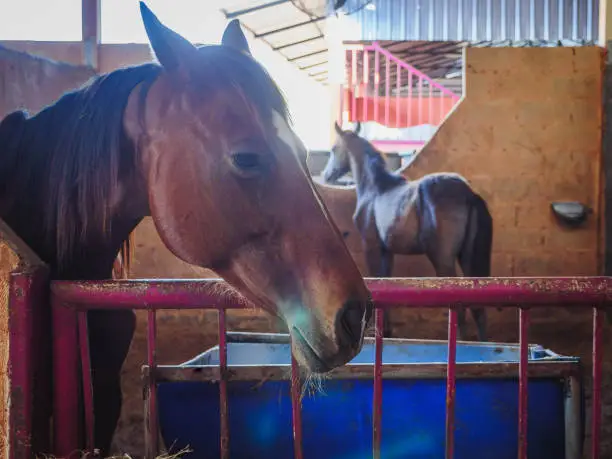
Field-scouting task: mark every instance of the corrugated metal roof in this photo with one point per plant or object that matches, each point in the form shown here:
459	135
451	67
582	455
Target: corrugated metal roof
428	34
475	20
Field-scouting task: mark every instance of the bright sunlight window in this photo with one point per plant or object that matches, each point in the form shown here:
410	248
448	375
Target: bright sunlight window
40	20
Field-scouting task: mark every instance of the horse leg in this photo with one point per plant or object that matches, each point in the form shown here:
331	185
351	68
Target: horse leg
380	264
447	269
110	335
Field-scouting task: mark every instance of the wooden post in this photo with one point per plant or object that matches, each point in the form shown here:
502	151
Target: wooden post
90	27
336	70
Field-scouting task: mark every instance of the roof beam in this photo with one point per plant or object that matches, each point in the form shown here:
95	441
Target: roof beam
238	13
304	56
310	66
301	42
293	26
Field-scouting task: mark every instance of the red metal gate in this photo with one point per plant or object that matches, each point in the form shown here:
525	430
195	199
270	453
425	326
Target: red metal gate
71	300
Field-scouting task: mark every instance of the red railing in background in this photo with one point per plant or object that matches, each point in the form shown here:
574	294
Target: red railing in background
71	300
407	97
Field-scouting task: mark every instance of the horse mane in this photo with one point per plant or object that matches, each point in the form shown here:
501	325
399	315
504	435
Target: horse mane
76	152
377	169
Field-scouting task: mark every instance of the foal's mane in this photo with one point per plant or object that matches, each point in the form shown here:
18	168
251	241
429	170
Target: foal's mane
75	152
376	167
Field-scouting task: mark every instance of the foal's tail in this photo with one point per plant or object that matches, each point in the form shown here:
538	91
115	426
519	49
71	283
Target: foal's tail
475	255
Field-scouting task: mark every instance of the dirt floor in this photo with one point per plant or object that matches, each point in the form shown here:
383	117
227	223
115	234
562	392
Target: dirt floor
564	331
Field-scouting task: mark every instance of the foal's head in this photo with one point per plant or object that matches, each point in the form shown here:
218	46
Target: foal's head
228	189
339	162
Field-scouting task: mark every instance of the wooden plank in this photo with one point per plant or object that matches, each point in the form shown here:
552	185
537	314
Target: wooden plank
263	373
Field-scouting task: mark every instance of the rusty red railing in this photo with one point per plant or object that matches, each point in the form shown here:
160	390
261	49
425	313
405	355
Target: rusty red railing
71	300
382	88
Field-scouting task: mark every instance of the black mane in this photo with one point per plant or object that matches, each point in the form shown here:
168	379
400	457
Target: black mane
65	161
59	167
376	169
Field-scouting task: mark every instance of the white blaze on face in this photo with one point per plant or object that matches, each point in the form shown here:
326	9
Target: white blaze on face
287	136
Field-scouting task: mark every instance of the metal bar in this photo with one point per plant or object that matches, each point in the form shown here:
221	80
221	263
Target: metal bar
398	81
523	382
27	298
437	292
353	84
152	446
376	82
377	47
598	321
430	104
304	56
409	100
223	402
87	383
295	43
451	382
238	13
420	96
366	82
296	408
377	401
65	380
387	91
291	27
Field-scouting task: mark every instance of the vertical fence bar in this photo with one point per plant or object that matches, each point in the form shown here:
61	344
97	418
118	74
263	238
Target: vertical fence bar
296	408
377	400
420	90
87	382
27	349
354	84
152	446
376	82
387	91
409	101
398	86
223	402
366	82
451	382
523	382
598	318
442	98
65	380
430	103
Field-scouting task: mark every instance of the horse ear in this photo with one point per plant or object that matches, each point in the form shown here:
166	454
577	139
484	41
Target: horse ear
172	51
339	130
234	37
357	127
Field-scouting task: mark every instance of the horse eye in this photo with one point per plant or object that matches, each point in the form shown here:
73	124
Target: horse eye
247	162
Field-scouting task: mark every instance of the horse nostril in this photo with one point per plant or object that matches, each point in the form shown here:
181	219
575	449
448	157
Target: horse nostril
349	324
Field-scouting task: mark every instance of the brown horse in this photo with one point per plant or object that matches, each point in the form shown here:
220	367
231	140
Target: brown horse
201	142
438	215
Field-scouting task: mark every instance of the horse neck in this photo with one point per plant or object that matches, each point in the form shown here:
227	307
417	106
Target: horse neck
370	173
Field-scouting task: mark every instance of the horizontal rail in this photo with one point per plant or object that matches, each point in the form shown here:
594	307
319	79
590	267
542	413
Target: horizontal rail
376	47
536	369
438	292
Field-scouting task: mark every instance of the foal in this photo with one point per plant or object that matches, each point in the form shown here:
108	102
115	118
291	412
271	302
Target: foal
438	215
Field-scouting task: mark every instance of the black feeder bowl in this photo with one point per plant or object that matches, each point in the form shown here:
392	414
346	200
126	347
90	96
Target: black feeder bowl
571	213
